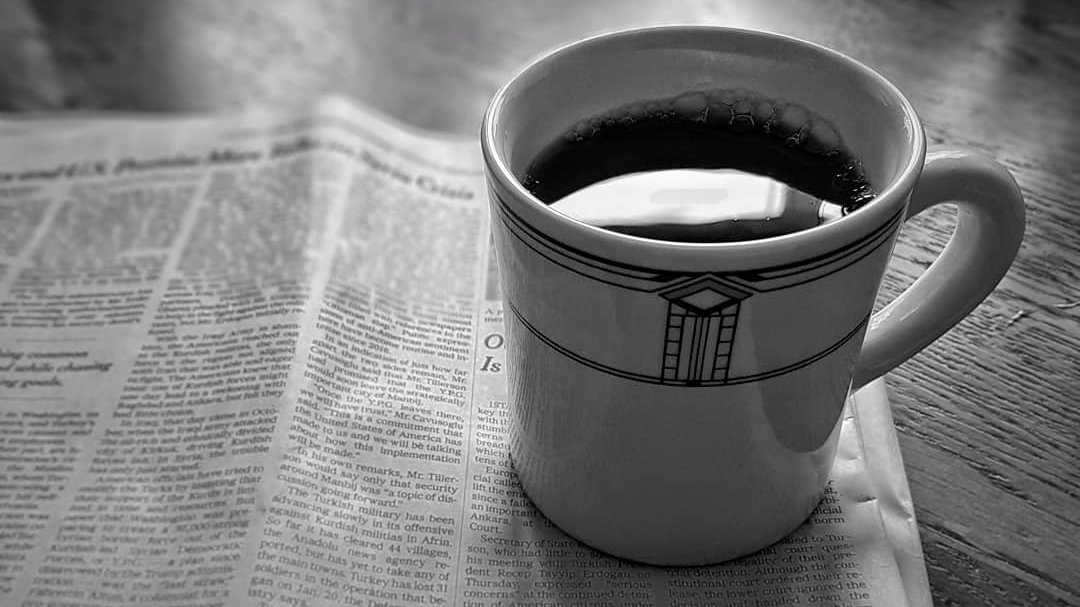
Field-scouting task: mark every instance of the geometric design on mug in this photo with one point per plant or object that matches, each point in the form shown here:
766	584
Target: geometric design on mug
697	347
703	307
703	294
719	375
701	319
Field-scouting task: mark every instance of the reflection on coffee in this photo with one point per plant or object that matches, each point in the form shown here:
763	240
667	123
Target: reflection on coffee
704	166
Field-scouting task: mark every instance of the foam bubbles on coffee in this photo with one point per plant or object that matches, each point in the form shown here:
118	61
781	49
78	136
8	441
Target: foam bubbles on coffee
757	152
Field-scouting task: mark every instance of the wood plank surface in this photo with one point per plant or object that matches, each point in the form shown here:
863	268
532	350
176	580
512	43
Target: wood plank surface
988	416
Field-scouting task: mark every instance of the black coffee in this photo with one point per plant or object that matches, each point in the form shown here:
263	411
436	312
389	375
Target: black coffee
750	167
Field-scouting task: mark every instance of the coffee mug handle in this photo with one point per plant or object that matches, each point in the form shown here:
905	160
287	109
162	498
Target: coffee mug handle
989	228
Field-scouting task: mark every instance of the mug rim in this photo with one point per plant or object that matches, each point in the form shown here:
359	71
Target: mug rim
815	240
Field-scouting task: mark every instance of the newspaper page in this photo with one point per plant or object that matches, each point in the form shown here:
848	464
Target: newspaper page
258	360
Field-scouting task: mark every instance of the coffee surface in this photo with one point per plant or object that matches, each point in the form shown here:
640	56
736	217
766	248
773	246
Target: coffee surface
717	165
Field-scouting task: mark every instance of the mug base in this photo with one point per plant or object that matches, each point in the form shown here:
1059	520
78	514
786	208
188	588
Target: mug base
680	556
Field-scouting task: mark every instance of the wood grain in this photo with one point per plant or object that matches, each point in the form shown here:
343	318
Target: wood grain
989	416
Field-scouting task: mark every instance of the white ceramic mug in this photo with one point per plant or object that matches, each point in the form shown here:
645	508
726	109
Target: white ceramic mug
679	403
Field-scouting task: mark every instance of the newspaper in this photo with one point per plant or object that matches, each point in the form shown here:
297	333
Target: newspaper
258	360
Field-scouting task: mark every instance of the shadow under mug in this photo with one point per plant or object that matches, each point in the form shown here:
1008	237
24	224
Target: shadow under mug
679	403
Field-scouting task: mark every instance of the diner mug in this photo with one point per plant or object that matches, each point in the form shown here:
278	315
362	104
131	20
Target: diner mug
679	403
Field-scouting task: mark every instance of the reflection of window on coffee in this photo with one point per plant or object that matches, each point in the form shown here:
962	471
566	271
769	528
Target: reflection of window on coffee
697	205
705	166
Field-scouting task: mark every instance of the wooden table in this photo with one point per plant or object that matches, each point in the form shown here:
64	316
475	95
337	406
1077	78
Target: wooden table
989	416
